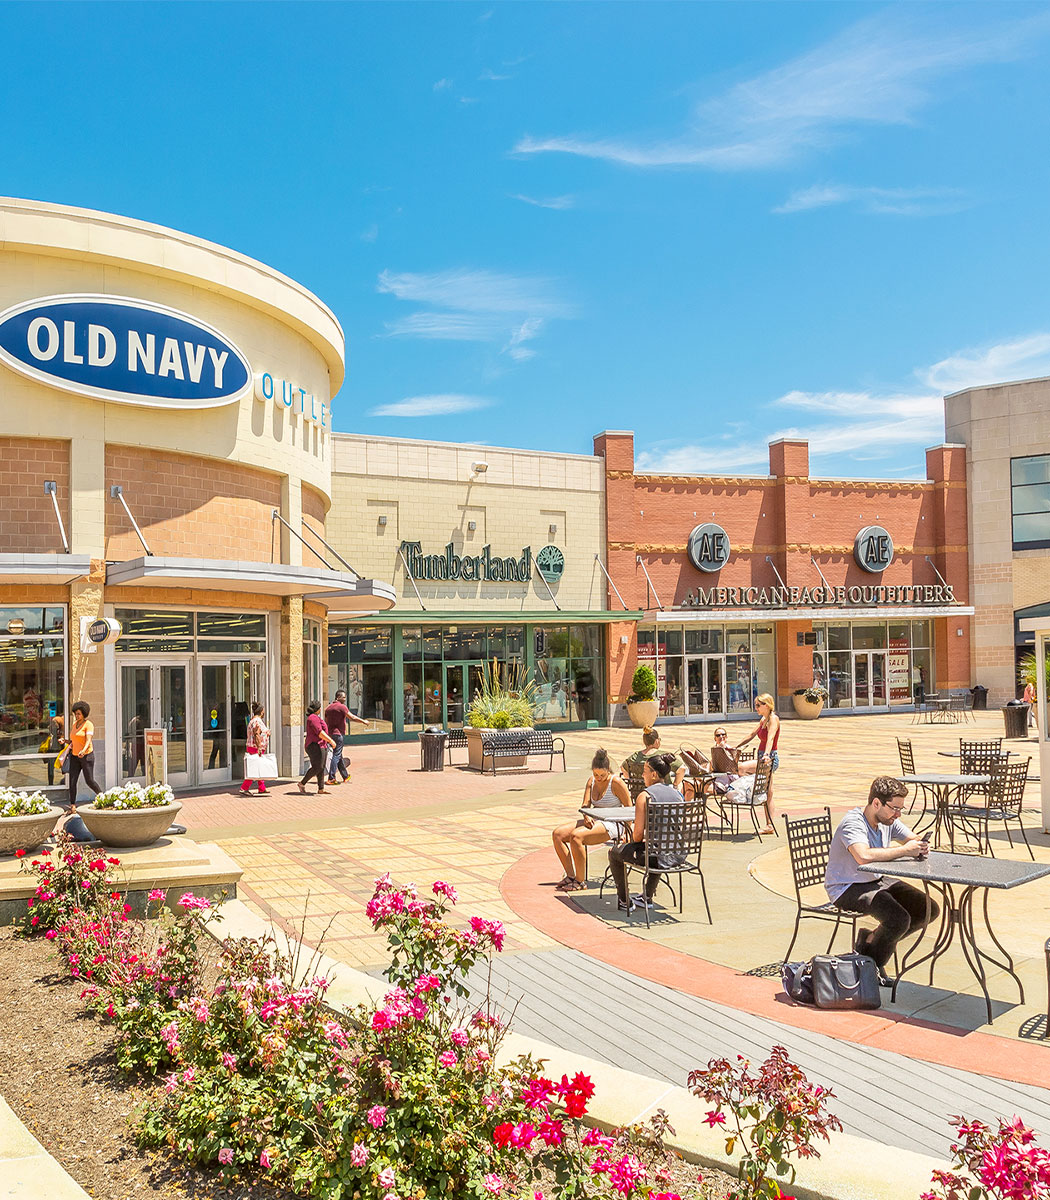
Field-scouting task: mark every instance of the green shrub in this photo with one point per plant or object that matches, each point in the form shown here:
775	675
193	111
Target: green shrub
505	692
500	719
643	685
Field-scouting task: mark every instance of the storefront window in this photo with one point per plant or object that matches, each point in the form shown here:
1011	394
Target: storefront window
32	695
670	686
838	637
869	637
312	677
763	661
706	640
840	680
368	678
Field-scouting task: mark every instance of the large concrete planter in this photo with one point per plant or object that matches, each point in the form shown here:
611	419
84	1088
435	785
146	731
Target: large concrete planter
26	833
477	739
806	709
129	826
642	713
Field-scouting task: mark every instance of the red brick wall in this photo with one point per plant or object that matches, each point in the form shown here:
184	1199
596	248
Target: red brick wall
189	507
27	514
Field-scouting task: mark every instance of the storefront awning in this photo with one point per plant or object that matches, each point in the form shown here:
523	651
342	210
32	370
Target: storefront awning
46	569
337	589
886	612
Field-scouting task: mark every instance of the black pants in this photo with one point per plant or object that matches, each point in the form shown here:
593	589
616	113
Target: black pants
81	766
898	907
633	852
315	752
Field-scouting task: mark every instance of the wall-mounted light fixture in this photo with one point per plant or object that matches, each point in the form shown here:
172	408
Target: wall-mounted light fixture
382	520
958	633
624	639
552	529
479	468
472	525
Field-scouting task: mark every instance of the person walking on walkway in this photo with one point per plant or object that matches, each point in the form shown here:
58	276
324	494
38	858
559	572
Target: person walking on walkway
257	742
317	738
873	834
768	733
81	752
657	771
336	716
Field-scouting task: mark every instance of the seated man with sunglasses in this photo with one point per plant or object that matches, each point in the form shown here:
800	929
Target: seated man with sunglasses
873	834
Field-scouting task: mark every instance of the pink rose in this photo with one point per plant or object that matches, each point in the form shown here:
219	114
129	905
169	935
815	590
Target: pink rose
264	1160
359	1154
493	1184
386	1177
377	1116
226	1156
448	1059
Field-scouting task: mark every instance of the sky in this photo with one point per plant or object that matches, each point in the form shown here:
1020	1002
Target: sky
713	224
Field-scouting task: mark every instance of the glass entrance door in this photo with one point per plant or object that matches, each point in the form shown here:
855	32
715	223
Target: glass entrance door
705	678
214	723
462	681
869	679
153	696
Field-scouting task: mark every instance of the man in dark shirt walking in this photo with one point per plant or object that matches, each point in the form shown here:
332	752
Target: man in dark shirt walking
336	716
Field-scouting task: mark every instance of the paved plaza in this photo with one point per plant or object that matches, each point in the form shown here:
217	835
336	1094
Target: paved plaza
309	863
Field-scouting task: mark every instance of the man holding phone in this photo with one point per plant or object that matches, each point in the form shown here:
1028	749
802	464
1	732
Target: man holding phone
874	834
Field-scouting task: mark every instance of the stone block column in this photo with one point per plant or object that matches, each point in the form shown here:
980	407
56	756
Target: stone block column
292	700
86	671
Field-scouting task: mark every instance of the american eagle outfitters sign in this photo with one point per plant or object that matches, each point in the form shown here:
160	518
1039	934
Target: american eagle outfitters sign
483	568
793	597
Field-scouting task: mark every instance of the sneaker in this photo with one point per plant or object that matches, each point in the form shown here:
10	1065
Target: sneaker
624	905
638	900
262	789
246	786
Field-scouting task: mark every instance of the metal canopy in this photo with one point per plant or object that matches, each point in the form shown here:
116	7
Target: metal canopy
53	569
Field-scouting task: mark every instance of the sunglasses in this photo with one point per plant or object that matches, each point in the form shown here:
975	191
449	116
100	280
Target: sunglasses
721	733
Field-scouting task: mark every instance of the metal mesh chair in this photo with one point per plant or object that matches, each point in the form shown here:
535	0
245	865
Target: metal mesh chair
809	843
729	807
1046	951
1003	799
907	756
978	758
673	833
635	779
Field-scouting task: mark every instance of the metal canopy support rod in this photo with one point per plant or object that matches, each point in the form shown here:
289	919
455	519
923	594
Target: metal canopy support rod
51	489
116	492
611	584
535	567
944	581
411	578
819	572
330	548
777	573
638	560
276	516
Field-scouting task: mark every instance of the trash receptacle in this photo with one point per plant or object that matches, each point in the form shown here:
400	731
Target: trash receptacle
432	749
980	697
1015	715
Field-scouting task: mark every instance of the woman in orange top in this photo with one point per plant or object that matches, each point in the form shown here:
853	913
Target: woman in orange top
81	752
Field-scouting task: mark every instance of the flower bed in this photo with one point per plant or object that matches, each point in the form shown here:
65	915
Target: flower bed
130	796
14	803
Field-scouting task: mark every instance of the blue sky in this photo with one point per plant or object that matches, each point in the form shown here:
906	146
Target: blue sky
709	223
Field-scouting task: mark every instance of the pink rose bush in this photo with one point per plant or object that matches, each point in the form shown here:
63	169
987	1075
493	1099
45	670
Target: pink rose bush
993	1164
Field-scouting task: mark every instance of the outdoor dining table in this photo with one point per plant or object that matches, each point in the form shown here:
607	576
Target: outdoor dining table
943	787
621	815
958	877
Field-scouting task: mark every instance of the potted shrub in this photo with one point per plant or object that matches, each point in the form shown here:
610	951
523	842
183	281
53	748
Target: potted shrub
26	819
809	701
641	703
131	815
500	706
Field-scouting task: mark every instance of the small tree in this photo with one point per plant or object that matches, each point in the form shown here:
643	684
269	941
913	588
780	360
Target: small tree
643	685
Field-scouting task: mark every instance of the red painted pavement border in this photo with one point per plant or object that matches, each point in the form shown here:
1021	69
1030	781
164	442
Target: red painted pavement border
559	918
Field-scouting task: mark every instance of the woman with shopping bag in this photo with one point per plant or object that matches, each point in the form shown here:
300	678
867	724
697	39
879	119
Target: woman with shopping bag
259	763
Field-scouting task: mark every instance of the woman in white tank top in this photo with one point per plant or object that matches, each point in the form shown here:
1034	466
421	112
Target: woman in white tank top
603	790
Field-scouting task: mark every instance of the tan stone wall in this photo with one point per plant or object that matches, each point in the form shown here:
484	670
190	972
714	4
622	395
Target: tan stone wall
996	424
27	514
190	507
427	493
315	508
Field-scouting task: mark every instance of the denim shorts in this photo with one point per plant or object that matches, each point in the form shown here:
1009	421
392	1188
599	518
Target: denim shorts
774	761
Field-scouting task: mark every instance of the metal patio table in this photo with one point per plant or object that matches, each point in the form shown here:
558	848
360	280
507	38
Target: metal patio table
957	877
943	786
622	815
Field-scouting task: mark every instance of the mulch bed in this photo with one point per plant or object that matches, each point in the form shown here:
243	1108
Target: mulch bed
58	1074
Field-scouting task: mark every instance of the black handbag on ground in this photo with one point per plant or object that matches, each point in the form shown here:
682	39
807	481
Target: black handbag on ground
797	978
845	981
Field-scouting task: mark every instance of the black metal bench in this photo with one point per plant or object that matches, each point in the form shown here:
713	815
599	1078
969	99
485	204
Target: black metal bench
457	740
512	743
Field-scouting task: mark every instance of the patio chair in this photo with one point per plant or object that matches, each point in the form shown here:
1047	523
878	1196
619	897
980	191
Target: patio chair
675	831
1002	802
635	779
978	758
707	789
907	756
729	808
809	843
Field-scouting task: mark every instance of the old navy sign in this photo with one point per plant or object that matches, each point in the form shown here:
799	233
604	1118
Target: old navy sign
816	597
122	350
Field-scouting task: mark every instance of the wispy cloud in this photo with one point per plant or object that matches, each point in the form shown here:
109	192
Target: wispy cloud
475	306
371	233
442	85
1024	358
439	405
490	76
555	202
880	71
900	202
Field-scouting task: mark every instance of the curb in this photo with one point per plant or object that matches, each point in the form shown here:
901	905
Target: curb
28	1171
850	1167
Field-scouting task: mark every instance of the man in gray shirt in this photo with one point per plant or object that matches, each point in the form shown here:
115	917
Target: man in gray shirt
872	834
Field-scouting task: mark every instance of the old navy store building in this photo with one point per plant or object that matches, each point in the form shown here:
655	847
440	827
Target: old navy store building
166	485
768	584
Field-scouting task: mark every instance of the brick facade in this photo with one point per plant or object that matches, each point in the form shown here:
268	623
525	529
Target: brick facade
27	513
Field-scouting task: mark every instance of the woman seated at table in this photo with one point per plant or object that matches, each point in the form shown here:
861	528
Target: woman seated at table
725	761
603	790
658	790
651	746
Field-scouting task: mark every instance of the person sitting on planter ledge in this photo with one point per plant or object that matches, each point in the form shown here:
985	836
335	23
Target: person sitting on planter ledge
876	833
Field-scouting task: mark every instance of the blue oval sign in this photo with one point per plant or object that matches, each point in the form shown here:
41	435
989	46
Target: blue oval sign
123	350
